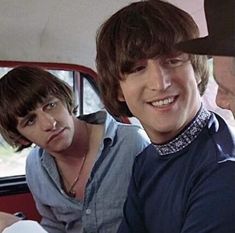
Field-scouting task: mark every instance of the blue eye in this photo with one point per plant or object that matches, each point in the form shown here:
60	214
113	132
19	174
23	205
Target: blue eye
137	69
51	105
174	62
30	121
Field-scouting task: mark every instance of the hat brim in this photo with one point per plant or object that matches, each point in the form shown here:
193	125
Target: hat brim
208	46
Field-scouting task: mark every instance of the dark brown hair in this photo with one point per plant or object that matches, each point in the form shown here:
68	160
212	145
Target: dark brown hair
21	90
141	30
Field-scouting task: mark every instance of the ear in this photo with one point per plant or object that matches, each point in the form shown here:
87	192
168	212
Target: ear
198	79
121	96
23	141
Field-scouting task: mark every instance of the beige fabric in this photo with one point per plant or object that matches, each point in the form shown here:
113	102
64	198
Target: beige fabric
25	226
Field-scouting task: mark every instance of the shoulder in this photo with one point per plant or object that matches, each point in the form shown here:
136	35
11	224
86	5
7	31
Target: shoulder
132	134
217	125
40	169
147	156
34	163
128	140
135	131
219	138
34	156
133	137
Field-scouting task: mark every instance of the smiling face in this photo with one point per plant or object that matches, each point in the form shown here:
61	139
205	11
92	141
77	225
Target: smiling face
49	126
163	94
224	74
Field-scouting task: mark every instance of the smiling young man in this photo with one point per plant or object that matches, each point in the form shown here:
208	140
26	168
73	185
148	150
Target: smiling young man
80	168
184	181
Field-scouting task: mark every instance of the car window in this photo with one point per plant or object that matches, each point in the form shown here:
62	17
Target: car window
92	102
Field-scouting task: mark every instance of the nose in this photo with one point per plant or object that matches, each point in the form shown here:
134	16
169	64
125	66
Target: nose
46	121
159	78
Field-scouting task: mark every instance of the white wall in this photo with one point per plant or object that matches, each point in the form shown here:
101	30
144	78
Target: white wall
33	30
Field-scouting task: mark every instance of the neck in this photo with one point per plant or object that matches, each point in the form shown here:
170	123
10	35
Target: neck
80	143
164	137
75	166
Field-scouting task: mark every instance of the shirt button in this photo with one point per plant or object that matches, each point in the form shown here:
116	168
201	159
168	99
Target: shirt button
88	211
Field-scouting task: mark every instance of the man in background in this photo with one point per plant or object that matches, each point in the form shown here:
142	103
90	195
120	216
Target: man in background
219	43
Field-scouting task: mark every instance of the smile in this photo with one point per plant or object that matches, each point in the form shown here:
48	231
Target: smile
163	102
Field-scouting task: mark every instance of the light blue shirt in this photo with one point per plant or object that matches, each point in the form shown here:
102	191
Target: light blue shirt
106	189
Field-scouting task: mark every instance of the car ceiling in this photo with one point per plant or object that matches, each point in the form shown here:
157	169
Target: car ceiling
62	30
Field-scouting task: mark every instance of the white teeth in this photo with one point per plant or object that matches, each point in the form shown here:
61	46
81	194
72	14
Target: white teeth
163	102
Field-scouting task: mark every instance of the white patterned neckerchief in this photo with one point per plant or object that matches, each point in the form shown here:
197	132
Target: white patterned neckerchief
187	136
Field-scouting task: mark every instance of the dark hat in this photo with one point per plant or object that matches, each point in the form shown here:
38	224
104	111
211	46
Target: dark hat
220	17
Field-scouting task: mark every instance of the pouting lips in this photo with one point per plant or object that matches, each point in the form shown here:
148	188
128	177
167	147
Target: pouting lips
54	135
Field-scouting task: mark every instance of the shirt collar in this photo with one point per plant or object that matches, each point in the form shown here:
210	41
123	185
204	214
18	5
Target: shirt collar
103	117
187	136
100	117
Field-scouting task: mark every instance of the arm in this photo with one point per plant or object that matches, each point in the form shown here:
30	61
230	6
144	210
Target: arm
211	205
7	220
49	221
39	183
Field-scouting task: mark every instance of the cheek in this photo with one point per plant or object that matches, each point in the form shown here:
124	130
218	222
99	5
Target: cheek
30	131
63	115
125	91
232	104
30	134
186	76
222	100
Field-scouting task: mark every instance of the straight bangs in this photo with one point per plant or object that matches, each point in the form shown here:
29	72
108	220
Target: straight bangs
29	100
143	35
30	95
